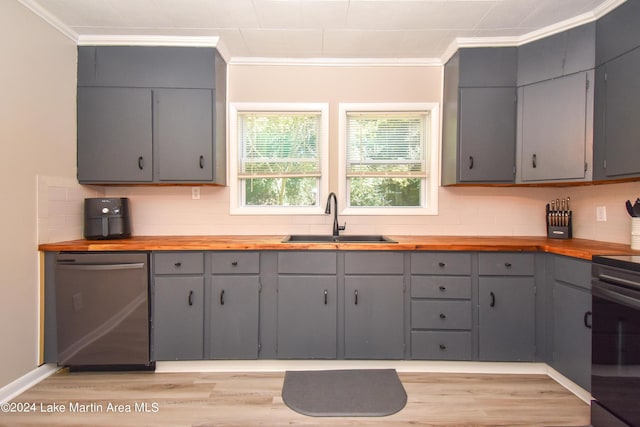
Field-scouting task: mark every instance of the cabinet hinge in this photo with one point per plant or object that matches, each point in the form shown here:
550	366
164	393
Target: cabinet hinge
604	163
535	290
587	85
586	166
259	347
514	171
605	76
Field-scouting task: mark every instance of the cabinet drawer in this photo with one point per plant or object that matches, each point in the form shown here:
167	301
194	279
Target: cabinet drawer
445	287
178	263
574	271
374	263
441	263
440	314
441	345
506	264
307	262
235	262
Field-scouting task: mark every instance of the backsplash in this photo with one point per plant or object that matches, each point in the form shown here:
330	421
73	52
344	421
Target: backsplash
60	208
482	211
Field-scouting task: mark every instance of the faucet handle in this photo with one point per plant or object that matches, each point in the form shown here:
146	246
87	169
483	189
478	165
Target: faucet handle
342	227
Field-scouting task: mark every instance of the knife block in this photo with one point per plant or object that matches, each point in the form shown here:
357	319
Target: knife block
560	231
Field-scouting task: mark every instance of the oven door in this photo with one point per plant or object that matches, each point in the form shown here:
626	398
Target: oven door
615	371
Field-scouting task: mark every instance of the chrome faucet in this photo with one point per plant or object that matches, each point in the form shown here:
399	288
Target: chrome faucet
336	228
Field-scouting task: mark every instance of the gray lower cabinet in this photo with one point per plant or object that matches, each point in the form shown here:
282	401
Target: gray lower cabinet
233	306
555	116
178	306
506	300
307	304
441	306
571	314
374	305
307	317
374	317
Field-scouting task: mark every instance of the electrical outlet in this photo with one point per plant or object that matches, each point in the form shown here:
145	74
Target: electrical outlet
601	214
195	193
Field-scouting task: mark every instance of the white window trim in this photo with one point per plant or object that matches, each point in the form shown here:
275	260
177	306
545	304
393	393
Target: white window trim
430	191
236	207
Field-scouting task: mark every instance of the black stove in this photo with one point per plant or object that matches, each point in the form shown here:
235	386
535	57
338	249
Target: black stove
615	349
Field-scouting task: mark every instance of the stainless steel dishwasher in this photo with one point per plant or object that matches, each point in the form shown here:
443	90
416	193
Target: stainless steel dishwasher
102	308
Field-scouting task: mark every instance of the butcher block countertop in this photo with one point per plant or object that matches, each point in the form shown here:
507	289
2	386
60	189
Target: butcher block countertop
577	248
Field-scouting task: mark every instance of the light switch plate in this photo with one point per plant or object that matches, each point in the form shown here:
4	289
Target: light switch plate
601	213
195	193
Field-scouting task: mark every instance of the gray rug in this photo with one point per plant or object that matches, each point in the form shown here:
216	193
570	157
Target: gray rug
344	393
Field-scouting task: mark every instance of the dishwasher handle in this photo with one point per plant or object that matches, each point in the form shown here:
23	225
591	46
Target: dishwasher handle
102	267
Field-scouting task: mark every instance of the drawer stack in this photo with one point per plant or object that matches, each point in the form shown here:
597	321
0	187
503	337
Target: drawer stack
441	309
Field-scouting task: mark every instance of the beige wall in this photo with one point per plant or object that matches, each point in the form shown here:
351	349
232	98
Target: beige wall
37	138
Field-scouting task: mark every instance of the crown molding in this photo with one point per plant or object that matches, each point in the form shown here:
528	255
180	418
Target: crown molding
50	19
338	62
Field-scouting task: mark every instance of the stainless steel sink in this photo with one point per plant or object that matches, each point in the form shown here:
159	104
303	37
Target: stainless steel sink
323	238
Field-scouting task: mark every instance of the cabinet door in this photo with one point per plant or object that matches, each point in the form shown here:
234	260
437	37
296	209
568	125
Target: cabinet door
184	134
554	117
487	134
114	135
178	318
307	317
374	317
572	333
621	124
507	318
234	302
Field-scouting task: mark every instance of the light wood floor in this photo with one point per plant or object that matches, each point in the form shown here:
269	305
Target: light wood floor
253	399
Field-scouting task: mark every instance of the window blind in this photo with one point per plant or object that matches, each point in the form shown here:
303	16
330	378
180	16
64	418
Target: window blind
282	144
386	144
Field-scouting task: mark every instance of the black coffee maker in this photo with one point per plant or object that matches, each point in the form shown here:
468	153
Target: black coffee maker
107	218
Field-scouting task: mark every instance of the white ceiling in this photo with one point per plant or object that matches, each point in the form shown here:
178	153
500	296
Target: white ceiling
357	29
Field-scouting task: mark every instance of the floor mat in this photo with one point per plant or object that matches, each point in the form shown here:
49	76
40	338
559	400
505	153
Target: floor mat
344	393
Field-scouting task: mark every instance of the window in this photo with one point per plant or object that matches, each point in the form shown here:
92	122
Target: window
388	158
280	157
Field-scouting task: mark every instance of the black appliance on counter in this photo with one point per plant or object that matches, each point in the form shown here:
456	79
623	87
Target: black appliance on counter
615	348
102	310
107	218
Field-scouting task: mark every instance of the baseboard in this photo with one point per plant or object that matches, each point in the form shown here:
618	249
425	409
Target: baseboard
26	381
399	365
574	388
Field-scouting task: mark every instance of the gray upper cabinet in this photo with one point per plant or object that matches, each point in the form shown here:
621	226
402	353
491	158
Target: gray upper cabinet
146	66
555	119
555	106
184	134
617	128
114	135
170	100
618	32
558	55
479	116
